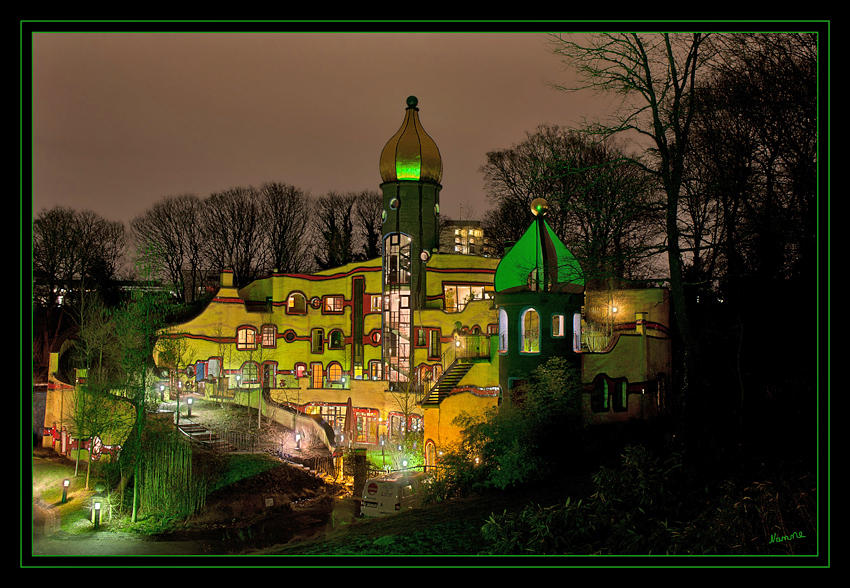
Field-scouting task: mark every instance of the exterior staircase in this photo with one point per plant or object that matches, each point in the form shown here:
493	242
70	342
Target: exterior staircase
447	382
206	437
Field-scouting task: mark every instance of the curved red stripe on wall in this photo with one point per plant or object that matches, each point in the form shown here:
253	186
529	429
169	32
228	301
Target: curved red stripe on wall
313	278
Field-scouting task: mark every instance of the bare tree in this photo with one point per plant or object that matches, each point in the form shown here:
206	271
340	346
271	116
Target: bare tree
334	224
656	77
175	236
285	211
235	225
368	208
71	248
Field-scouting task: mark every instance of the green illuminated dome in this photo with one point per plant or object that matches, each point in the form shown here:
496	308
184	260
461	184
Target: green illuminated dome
539	261
411	154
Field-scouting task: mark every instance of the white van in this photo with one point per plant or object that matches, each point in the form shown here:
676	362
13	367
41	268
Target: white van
392	493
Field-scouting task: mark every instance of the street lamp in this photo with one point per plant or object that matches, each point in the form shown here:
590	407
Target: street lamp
189	402
65	483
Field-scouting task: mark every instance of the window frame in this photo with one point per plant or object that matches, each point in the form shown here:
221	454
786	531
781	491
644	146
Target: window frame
523	337
246	343
268	331
290	305
341	335
561	331
317	346
336	301
335	373
256	369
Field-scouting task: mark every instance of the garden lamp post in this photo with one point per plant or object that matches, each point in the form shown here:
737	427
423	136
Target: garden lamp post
96	514
189	403
65	484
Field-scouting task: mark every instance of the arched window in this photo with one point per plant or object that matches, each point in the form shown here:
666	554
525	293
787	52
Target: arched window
250	372
335	340
246	338
300	370
503	331
296	303
530	331
334	373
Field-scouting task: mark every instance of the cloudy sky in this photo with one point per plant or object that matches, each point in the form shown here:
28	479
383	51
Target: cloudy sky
121	120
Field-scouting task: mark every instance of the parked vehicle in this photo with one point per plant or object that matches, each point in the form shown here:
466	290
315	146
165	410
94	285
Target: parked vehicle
392	493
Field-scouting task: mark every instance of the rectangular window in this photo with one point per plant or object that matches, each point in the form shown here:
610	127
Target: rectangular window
434	347
269	338
316	341
557	325
376	303
577	332
316	375
333	304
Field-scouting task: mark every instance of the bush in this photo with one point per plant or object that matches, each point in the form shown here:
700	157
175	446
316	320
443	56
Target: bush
649	506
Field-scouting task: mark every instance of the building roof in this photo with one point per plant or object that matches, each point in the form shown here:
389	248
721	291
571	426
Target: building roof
411	154
539	260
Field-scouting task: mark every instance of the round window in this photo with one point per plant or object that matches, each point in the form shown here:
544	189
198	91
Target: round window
394	203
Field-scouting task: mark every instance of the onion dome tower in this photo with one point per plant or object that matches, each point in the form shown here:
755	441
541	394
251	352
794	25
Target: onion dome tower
411	169
539	288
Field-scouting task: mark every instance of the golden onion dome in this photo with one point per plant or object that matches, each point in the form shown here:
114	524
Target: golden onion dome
411	154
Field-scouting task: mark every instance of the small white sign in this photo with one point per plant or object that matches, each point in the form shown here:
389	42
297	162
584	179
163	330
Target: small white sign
269	501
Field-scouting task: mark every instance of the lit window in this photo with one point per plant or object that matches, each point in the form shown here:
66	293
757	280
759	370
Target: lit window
577	332
335	373
246	338
269	335
375	370
530	335
300	370
558	325
333	303
376	303
503	330
296	303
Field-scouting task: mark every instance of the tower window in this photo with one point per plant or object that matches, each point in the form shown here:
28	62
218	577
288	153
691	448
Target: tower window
530	331
503	331
558	325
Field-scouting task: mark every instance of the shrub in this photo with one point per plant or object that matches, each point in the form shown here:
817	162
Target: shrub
649	506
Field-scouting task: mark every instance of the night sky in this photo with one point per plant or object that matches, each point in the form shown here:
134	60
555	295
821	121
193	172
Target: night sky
121	120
